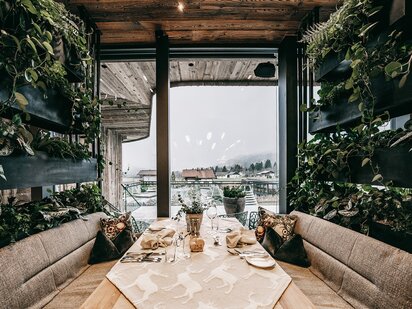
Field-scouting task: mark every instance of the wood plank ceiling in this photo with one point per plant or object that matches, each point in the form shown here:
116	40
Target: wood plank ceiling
199	21
127	88
196	23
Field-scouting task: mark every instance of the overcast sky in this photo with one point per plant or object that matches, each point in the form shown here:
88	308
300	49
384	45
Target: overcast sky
209	125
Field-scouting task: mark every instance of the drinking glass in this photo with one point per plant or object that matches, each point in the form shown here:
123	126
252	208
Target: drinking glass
211	212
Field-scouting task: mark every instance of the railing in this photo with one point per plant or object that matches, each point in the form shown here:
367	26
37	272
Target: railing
130	201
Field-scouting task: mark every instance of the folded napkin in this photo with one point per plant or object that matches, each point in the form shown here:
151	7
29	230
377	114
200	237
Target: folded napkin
240	237
162	238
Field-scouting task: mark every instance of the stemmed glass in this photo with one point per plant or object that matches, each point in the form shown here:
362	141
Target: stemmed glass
211	212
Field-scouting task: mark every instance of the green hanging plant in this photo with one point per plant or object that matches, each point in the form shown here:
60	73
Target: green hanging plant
38	39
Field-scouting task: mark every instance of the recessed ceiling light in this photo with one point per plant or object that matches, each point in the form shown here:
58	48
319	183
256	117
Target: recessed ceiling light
191	64
104	66
181	6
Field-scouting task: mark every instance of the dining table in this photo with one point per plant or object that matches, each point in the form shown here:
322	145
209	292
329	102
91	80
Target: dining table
121	288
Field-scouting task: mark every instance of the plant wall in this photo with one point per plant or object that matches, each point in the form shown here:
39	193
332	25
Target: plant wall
40	44
359	33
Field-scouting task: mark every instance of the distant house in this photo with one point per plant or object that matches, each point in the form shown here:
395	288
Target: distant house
266	174
221	175
234	175
147	175
198	174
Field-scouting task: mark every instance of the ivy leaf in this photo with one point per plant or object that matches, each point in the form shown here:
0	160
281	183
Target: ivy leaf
392	67
365	161
361	107
374	10
365	29
378	177
29	6
403	80
21	100
303	108
48	47
30	42
349	84
354	97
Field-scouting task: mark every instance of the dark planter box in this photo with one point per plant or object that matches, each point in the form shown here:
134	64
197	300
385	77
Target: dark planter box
334	67
52	113
384	233
41	170
389	97
393	166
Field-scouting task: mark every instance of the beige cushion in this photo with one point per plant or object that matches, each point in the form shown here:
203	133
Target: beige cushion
76	293
320	294
365	272
32	270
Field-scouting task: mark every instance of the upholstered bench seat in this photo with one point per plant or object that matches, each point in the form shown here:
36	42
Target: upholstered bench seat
318	292
76	293
350	269
50	268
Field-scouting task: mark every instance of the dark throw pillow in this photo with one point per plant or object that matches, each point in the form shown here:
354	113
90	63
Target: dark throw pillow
124	240
103	249
292	251
271	241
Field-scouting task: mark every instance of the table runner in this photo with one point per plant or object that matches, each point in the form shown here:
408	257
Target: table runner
210	279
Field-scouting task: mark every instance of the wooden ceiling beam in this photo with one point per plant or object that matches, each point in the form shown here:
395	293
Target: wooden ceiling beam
199	36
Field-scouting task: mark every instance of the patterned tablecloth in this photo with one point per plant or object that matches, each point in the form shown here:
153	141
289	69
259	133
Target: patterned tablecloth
210	279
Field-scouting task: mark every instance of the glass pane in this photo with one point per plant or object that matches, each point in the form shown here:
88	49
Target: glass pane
224	136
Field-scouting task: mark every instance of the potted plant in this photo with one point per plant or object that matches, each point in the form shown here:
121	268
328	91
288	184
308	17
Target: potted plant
233	200
192	207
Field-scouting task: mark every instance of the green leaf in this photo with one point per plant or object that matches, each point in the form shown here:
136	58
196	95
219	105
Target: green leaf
361	107
374	10
29	6
42	85
30	42
349	84
303	107
48	47
348	55
403	80
365	29
21	100
49	35
354	97
365	161
16	40
37	27
378	177
393	66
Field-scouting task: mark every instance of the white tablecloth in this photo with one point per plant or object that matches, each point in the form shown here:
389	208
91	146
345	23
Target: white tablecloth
210	279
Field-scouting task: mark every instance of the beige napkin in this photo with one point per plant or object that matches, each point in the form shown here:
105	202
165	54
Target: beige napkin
240	237
162	238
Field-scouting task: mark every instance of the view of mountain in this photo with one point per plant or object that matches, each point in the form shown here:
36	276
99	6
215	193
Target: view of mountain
246	160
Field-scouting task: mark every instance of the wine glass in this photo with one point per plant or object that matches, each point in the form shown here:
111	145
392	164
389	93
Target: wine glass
211	213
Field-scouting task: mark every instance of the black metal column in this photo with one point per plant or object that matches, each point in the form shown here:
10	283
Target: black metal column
162	124
288	118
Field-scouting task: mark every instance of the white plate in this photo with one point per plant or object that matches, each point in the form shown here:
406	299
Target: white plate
260	261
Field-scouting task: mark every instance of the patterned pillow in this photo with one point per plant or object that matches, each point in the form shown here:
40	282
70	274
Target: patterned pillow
282	224
112	227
